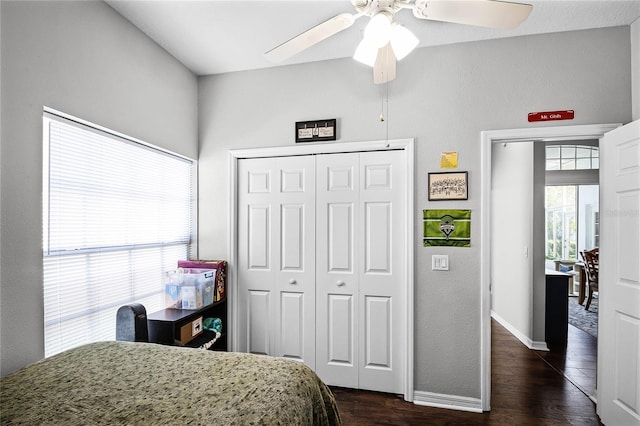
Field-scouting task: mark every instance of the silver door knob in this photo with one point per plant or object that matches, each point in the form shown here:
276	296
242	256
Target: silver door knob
292	281
340	283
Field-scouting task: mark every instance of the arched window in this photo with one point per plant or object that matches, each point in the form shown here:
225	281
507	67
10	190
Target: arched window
572	157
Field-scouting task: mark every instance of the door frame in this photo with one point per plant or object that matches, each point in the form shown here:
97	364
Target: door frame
487	138
405	145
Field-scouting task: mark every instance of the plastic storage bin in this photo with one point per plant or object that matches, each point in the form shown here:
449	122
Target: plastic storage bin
189	288
218	266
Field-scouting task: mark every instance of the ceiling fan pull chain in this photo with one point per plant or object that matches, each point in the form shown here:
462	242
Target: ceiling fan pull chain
387	122
384	99
382	107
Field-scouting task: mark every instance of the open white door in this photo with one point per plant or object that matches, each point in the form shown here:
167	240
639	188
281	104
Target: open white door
619	282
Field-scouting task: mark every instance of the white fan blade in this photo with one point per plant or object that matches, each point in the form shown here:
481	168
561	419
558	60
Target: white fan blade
384	69
482	13
310	37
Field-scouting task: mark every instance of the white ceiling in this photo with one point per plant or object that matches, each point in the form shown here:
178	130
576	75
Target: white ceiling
214	36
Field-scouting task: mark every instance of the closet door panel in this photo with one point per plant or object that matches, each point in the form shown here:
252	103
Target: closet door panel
293	248
377	237
339	235
259	315
337	269
292	322
381	277
377	344
295	275
258	240
340	330
276	256
256	257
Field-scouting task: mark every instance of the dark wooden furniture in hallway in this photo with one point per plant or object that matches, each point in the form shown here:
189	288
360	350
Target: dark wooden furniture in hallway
526	390
591	264
556	307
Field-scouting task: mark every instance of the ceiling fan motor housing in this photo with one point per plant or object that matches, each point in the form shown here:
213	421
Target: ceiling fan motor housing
372	7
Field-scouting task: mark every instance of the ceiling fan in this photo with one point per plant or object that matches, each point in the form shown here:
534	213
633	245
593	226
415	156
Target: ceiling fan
386	41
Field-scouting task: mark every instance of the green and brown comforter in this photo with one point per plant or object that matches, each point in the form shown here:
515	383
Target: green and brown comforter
148	384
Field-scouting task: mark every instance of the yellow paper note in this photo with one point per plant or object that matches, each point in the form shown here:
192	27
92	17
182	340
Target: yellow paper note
449	160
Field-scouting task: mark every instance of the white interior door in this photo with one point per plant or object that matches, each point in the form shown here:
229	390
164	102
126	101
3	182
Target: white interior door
276	262
619	282
359	270
337	234
256	274
296	274
381	274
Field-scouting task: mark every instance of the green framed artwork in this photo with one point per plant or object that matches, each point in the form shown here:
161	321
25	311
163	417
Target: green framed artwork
447	228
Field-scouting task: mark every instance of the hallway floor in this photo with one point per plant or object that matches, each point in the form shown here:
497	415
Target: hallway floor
577	361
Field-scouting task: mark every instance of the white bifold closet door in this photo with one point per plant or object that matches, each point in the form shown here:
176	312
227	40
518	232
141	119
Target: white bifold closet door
321	265
276	257
359	270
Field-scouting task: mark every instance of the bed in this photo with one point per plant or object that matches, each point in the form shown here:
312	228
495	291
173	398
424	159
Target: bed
145	383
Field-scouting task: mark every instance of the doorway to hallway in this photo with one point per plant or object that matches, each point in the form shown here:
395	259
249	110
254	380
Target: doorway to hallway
533	334
572	225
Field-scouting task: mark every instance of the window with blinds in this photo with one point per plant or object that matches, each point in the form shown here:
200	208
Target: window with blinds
117	214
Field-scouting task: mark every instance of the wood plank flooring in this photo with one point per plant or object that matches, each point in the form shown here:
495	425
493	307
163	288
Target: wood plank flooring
577	361
526	390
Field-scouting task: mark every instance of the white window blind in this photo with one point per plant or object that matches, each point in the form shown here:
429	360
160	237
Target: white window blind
117	214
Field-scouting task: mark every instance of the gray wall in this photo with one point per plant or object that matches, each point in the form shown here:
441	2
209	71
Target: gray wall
635	68
86	60
443	97
539	242
512	245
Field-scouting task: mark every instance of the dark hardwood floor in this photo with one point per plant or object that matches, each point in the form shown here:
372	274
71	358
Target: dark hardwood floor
577	361
526	390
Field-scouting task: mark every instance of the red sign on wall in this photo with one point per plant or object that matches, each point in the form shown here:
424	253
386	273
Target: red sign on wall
551	115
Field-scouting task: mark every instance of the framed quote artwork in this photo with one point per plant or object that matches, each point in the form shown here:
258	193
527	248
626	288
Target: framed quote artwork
316	131
448	186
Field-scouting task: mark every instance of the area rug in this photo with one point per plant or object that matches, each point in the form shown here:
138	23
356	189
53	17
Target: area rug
585	320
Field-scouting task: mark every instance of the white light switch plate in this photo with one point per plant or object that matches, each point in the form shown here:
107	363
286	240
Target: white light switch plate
440	262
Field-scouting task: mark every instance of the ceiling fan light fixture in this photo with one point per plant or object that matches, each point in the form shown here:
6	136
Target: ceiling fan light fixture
384	42
366	52
378	30
402	40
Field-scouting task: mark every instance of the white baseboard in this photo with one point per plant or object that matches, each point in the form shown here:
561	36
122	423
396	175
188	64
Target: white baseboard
531	344
452	402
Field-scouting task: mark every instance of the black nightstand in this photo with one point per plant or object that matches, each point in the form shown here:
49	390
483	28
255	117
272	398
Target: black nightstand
165	326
